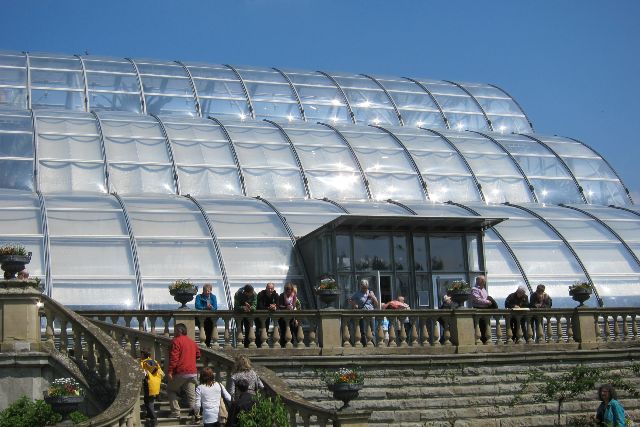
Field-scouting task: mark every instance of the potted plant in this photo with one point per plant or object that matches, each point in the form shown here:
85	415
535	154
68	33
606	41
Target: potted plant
345	383
580	292
327	290
64	395
183	291
13	258
459	290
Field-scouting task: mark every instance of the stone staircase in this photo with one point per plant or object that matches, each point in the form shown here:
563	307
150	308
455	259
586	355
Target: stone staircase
164	415
462	390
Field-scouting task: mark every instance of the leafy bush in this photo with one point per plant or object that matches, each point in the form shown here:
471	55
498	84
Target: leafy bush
27	413
78	417
267	412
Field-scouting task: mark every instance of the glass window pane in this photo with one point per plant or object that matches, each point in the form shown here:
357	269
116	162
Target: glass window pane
209	181
16	174
135	179
177	258
76	257
98	295
250	258
447	253
372	252
273	183
71	177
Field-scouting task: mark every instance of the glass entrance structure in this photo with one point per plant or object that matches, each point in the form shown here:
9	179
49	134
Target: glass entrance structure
122	175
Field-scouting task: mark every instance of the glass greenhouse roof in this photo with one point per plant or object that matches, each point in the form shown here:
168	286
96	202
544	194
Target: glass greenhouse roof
164	170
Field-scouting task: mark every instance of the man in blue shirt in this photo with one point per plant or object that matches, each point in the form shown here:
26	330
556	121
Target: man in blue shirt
364	299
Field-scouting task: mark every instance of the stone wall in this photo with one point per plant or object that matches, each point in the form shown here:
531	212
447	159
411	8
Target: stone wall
465	390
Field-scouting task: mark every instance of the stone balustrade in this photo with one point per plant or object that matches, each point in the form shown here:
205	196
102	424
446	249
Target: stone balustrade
386	331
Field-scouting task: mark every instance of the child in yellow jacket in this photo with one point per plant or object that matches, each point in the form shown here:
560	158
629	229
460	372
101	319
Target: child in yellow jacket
153	377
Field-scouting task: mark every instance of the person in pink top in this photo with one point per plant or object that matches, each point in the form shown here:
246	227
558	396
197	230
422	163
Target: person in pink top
182	372
480	299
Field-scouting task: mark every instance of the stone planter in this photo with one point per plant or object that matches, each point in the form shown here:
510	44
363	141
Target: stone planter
345	392
460	297
13	264
64	405
580	295
328	297
183	296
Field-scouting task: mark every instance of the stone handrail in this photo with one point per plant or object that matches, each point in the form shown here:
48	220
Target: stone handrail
110	376
159	346
393	331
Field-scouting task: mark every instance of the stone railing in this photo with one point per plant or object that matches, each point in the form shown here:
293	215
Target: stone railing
387	331
301	412
110	376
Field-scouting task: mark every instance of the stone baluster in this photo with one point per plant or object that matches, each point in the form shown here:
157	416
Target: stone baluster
64	338
357	336
152	321
141	318
414	331
275	336
313	343
227	333
396	323
166	320
616	328
299	335
426	335
392	336
507	321
634	327
380	332
49	331
499	336
214	333
91	355
476	330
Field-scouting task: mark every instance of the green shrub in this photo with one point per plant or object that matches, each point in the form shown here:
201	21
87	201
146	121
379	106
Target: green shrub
267	412
27	413
78	417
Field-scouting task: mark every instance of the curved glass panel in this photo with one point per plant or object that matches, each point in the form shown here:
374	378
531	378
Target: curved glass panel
173	242
137	154
502	271
21	222
266	158
254	243
415	105
203	157
500	179
505	115
600	183
385	162
551	181
13	80
219	91
270	93
16	151
330	168
542	254
319	96
166	87
69	153
112	85
460	109
83	229
305	216
368	102
625	224
602	254
56	82
375	209
442	168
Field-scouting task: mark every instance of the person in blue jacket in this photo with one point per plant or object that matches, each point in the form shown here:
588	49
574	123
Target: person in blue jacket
206	301
610	412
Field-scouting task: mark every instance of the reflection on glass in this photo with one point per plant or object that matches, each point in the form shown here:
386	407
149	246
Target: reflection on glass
446	253
420	253
343	251
400	252
372	252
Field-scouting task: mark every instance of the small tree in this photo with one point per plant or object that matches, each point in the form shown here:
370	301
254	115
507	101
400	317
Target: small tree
579	380
267	412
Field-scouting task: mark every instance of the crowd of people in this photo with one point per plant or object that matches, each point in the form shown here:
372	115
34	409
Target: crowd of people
207	399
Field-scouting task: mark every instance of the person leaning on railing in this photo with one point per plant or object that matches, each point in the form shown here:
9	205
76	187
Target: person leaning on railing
480	298
539	299
206	301
267	300
364	299
288	300
245	301
518	300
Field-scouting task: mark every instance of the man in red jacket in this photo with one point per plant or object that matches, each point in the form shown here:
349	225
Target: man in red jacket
182	371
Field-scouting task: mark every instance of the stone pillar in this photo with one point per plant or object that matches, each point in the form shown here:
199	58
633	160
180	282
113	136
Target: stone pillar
463	333
584	327
188	317
352	418
330	331
19	318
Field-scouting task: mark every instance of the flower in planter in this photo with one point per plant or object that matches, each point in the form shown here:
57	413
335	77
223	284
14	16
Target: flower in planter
65	387
580	287
343	376
458	286
183	285
13	249
327	282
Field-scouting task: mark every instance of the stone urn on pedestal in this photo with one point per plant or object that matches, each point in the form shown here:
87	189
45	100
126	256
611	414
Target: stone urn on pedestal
65	396
345	384
580	292
327	291
183	291
459	291
13	258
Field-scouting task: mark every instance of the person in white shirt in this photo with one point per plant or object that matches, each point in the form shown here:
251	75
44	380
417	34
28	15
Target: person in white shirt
208	395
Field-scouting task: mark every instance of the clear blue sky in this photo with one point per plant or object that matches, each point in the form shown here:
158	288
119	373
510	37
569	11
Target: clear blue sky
573	65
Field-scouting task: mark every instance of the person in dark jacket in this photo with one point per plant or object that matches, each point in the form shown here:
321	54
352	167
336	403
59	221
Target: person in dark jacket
539	299
267	300
243	403
518	299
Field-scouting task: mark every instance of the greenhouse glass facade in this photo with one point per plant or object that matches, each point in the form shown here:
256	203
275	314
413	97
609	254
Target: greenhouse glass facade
121	175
